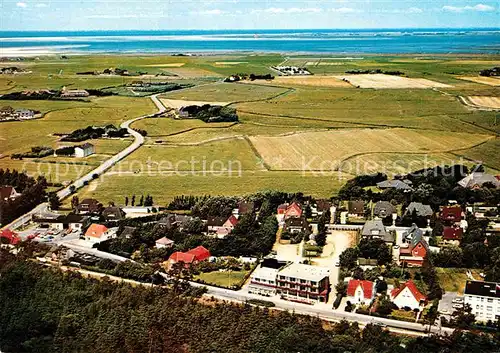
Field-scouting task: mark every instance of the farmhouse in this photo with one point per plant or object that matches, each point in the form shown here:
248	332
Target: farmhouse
303	283
414	248
360	291
8	193
84	150
72	93
407	296
420	209
484	299
476	180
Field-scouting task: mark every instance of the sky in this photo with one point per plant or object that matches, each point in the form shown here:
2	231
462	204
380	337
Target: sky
238	14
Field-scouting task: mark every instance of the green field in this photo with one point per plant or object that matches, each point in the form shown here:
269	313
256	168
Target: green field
223	279
347	124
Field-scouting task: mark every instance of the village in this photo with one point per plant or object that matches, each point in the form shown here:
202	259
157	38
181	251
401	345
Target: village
369	257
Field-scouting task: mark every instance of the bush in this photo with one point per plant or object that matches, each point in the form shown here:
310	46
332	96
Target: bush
261	302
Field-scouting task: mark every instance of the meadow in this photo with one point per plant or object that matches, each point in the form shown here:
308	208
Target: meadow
317	117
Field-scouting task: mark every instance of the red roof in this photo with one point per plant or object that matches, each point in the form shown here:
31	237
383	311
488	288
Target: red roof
294	208
413	289
6	192
10	235
96	230
181	257
452	233
366	286
200	253
452	213
232	220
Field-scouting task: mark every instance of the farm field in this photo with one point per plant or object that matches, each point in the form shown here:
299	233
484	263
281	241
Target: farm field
485	102
179	103
114	187
319	81
326	150
487	153
381	81
491	81
226	92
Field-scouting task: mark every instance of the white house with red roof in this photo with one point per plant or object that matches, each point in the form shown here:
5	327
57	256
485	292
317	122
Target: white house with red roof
408	295
360	291
96	233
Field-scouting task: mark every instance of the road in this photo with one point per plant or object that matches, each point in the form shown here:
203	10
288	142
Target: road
138	142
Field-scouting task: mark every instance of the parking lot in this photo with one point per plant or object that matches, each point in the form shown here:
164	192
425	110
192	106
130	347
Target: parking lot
449	300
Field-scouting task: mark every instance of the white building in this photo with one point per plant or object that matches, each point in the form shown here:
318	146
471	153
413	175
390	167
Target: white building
360	291
407	295
164	243
69	93
84	150
24	114
303	283
484	299
263	281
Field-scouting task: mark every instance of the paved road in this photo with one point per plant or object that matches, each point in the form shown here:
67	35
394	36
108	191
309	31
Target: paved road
138	142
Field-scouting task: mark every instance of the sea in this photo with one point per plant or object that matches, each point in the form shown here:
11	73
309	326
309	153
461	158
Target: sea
326	41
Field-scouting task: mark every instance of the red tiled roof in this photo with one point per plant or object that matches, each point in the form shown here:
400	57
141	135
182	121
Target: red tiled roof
96	230
452	233
367	287
10	235
182	257
413	289
200	253
232	220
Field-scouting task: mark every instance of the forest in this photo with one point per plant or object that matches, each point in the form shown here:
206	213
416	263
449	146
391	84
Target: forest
47	310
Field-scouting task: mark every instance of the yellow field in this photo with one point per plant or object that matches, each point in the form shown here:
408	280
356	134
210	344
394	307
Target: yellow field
490	81
325	150
485	102
389	81
191	72
166	65
320	81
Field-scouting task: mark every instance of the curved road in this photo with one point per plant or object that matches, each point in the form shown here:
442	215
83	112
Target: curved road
138	142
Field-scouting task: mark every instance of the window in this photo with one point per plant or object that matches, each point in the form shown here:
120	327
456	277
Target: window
490	300
292	279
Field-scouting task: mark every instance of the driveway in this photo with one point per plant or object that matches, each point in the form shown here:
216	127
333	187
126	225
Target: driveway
446	305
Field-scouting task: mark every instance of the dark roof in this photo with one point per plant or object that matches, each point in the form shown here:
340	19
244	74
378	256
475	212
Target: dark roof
127	231
484	289
421	209
273	263
356	207
383	209
296	222
113	213
323	205
216	221
395	184
246	207
414	235
452	233
6	191
75	218
451	213
375	228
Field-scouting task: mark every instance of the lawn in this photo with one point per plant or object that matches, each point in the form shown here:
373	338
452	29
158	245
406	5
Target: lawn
488	153
453	279
223	279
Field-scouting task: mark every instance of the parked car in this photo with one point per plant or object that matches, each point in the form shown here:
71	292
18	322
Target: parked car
458	300
458	306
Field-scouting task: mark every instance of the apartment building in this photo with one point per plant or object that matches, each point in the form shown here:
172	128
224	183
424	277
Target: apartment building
484	299
303	283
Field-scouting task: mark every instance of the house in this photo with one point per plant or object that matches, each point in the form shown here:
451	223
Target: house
164	243
6	111
407	296
72	93
322	206
84	150
221	226
246	207
263	279
214	223
113	214
190	257
173	220
404	185
89	206
484	299
296	225
384	209
420	209
127	232
375	229
9	237
8	193
356	208
303	283
289	211
451	214
70	222
452	235
24	114
476	180
414	248
360	291
96	232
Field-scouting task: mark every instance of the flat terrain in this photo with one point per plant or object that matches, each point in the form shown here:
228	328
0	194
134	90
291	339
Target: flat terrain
381	81
490	81
485	102
324	151
286	126
179	103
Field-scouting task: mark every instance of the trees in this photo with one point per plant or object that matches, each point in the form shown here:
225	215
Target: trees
375	249
54	201
384	306
349	258
463	318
